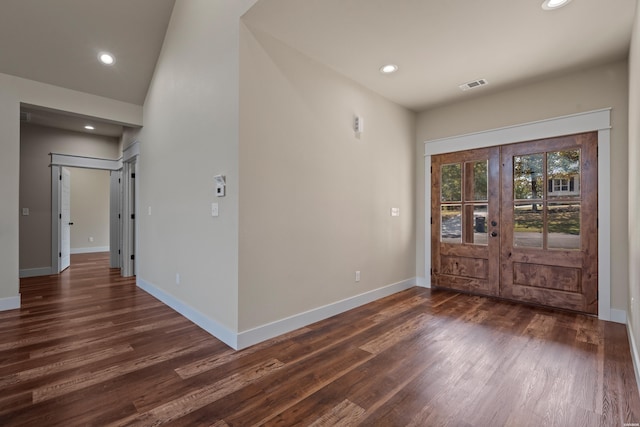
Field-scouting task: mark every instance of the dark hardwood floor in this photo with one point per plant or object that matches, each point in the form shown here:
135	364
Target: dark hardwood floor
89	348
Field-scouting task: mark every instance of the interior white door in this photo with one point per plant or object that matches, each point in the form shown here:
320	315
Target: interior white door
65	219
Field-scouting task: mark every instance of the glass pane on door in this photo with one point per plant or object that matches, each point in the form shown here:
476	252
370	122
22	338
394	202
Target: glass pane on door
563	174
564	226
528	222
451	224
528	177
480	225
480	177
451	183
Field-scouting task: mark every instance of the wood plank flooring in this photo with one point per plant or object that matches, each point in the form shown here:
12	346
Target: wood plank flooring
89	348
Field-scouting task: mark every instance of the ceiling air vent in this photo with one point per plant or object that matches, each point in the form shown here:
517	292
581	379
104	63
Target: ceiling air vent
24	116
474	84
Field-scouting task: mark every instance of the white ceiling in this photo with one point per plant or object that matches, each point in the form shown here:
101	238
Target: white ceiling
58	41
441	44
438	44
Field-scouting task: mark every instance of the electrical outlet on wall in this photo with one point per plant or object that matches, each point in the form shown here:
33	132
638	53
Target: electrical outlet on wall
358	276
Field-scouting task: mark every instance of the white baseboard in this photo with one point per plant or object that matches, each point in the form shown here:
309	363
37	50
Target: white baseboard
10	303
245	339
634	354
89	250
33	272
264	332
219	331
618	316
423	282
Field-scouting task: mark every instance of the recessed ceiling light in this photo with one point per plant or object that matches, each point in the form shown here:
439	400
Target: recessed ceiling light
106	58
89	127
388	69
554	4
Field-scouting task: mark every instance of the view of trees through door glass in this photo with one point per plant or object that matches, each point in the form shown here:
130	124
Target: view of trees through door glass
546	203
464	203
519	221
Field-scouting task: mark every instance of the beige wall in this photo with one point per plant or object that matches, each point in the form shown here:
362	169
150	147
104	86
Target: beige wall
14	91
307	204
9	179
129	136
315	198
634	181
586	90
89	210
191	135
36	143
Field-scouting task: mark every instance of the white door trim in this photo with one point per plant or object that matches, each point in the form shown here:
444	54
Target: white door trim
132	151
129	203
85	162
55	219
65	218
115	219
64	160
598	120
129	228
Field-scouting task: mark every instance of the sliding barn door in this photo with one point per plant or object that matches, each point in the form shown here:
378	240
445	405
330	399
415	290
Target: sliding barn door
519	222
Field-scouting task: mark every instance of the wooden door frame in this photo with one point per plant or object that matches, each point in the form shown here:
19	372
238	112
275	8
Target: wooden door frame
597	120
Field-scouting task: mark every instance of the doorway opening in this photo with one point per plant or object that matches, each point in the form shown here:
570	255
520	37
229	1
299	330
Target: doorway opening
122	196
86	212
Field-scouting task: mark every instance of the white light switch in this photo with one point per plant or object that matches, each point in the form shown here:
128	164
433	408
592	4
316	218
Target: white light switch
395	211
25	211
214	209
149	211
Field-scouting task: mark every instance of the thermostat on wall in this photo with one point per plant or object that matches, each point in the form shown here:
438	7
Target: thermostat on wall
220	184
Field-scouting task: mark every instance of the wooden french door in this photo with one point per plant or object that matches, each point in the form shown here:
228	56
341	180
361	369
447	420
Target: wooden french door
465	213
519	222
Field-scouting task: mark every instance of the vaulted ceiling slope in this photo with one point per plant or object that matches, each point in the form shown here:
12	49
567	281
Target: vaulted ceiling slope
58	42
439	45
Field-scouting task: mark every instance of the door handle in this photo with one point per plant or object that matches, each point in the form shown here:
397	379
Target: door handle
70	223
494	234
